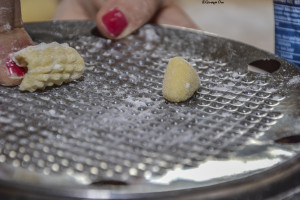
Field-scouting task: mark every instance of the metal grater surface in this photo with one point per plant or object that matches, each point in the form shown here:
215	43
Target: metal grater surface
113	127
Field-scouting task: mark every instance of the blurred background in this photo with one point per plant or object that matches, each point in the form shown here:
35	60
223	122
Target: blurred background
248	21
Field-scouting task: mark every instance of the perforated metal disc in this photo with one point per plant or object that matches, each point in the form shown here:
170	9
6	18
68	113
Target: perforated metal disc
111	134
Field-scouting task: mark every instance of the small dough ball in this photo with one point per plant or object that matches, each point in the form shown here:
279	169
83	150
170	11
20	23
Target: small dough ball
181	80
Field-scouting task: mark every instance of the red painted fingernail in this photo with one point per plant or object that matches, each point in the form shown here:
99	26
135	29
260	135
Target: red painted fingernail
114	22
14	69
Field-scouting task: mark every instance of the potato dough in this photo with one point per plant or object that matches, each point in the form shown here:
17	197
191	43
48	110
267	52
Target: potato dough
180	80
48	64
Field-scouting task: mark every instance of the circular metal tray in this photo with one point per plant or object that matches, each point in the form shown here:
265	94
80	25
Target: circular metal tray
111	134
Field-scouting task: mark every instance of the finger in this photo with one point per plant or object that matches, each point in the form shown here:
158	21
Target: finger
13	37
118	18
76	10
12	41
171	14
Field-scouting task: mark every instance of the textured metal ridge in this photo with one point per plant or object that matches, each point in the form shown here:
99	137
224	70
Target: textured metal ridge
114	127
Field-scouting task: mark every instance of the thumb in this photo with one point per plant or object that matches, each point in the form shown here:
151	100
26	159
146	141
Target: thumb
118	18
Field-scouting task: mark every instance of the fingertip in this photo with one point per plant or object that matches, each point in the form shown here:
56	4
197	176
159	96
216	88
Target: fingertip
13	41
112	23
5	78
10	73
118	18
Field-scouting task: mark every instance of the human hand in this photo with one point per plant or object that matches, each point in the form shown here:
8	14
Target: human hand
118	18
13	37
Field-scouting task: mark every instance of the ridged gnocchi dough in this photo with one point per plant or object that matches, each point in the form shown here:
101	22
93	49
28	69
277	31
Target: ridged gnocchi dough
48	64
180	80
